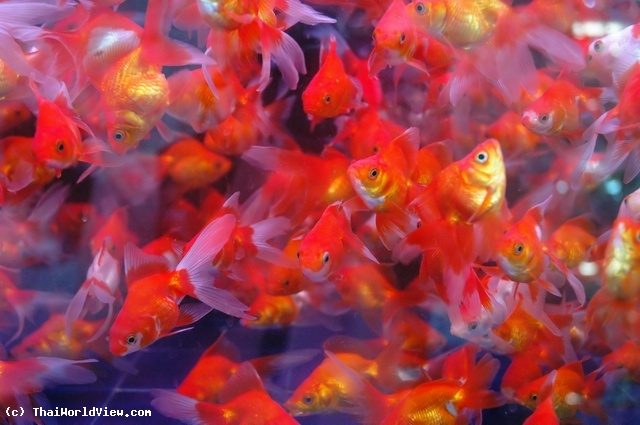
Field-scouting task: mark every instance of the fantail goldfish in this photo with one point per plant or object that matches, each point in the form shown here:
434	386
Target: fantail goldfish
323	247
158	294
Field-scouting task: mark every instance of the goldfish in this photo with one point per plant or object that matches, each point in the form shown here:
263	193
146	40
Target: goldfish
252	28
52	340
524	257
331	92
568	389
113	235
514	137
613	57
619	276
220	362
395	40
323	247
244	400
624	357
571	241
383	182
461	23
132	330
192	165
448	401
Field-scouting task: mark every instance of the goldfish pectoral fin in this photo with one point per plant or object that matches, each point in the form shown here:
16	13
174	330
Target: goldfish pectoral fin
356	244
74	310
549	287
191	313
243	381
573	280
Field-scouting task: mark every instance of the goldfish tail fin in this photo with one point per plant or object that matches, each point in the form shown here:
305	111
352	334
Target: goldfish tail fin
575	283
476	387
286	53
177	406
296	12
195	268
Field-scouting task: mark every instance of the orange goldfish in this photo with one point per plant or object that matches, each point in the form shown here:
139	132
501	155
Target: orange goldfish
322	248
285	280
383	182
544	414
524	257
243	401
569	391
192	165
462	23
621	276
331	92
158	294
192	100
625	357
455	398
514	137
113	234
571	241
52	340
395	40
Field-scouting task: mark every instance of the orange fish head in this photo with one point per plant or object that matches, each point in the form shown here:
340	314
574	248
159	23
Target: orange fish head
395	36
484	166
57	151
311	397
371	180
516	256
317	261
130	333
126	130
327	98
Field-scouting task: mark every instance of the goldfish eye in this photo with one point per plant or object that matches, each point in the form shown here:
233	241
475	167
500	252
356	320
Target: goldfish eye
325	257
533	396
373	173
473	326
326	99
518	249
308	399
131	339
597	46
59	146
544	118
402	38
482	157
119	135
421	8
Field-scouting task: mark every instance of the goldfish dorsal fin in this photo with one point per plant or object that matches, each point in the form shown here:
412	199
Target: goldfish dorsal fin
245	379
138	264
409	143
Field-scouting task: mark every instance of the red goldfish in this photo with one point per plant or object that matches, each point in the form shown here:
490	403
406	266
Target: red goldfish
322	249
621	276
133	330
243	400
331	92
